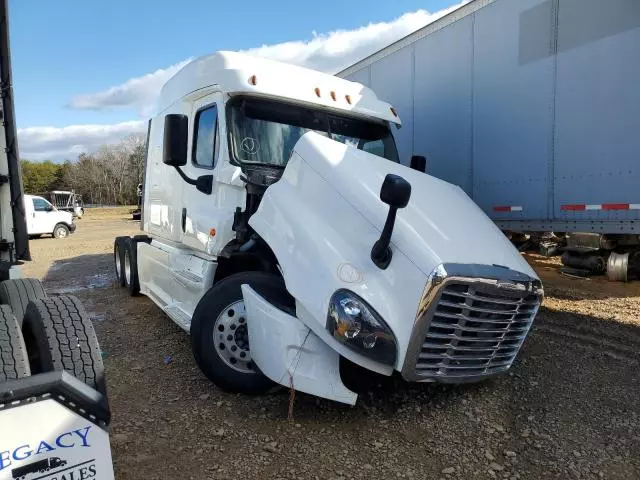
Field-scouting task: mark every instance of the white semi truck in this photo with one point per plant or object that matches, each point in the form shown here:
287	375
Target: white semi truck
281	231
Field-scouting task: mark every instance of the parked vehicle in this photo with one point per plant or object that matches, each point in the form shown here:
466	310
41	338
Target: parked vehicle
67	201
52	386
44	218
281	231
531	107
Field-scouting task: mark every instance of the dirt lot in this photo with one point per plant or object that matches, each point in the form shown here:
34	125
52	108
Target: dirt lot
570	408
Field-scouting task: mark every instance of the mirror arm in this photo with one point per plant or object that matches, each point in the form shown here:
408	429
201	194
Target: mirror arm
190	181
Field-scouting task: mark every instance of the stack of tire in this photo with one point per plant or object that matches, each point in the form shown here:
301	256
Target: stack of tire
41	333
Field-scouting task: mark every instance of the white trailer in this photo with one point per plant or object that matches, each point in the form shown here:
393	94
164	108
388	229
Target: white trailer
282	232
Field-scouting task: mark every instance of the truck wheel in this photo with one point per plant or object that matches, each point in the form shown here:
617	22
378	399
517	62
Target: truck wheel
219	335
61	231
130	266
59	336
18	292
14	363
118	259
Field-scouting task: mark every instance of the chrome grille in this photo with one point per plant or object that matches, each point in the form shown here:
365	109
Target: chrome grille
475	330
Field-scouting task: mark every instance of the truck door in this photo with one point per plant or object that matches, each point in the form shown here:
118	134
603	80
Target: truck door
40	220
199	212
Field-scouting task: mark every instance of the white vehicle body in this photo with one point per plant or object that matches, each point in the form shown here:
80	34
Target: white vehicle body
43	217
456	299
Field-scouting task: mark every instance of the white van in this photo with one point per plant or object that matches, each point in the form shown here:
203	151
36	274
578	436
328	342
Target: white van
44	218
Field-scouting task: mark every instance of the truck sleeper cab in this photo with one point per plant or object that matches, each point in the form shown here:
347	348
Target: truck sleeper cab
281	230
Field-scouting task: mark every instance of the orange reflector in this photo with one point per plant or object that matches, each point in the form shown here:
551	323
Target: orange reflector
212	232
348	99
393	110
333	95
253	80
317	90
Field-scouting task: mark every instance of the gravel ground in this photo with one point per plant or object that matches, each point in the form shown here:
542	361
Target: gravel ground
569	408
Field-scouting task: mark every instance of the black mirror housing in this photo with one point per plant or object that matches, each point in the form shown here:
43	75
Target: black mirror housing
418	162
395	191
204	184
176	132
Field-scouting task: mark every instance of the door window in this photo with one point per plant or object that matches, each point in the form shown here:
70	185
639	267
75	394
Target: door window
41	205
205	137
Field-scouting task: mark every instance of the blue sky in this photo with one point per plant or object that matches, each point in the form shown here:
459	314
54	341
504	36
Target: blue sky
88	72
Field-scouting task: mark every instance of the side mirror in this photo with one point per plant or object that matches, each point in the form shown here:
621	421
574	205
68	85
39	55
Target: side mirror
174	154
176	132
204	184
395	192
418	162
49	208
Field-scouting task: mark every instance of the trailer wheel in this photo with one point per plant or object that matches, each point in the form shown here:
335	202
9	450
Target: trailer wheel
59	336
14	362
118	259
60	231
130	266
18	292
219	336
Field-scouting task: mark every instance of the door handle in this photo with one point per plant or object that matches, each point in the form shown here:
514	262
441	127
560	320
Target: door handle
184	219
33	214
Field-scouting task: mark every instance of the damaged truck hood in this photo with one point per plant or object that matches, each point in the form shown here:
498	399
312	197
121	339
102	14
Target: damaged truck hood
440	225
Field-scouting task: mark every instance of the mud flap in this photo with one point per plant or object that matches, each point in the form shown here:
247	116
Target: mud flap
290	354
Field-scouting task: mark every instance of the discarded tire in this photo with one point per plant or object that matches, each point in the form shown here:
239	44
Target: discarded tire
17	293
59	336
118	259
14	363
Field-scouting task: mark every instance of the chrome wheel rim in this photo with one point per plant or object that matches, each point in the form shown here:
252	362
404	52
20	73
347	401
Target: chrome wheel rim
231	338
61	232
127	267
116	254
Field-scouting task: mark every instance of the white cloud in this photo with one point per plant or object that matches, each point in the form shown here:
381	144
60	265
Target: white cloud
139	92
60	143
334	51
329	52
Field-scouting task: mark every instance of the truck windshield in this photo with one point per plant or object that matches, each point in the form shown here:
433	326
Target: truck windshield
265	132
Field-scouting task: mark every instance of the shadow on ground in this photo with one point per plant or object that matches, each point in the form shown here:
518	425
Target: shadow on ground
83	272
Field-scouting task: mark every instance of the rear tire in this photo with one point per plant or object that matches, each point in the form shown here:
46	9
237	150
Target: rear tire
118	259
60	231
130	266
59	336
216	328
18	292
14	362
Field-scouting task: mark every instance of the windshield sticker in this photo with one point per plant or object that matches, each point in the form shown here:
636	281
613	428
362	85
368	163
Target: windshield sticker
250	145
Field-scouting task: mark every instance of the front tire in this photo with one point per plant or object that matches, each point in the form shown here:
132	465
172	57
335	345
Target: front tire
219	335
60	231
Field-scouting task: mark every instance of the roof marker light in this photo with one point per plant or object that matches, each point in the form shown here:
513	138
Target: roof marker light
317	90
348	99
333	96
253	80
393	110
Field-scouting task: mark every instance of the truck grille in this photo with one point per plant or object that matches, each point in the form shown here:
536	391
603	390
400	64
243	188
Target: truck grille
474	331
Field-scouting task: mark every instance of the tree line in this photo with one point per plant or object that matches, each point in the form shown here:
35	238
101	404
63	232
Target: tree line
109	176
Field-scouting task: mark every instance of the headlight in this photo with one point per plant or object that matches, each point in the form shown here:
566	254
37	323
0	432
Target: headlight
358	326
